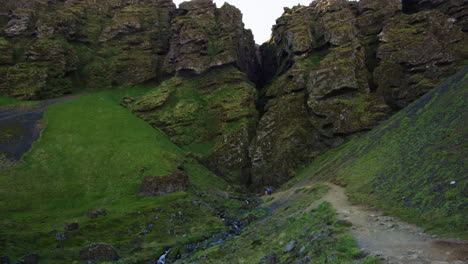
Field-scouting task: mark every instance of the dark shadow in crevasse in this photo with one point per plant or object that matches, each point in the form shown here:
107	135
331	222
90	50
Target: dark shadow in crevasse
410	6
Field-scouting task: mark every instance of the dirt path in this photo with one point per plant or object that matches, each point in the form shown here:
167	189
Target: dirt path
390	239
394	241
19	129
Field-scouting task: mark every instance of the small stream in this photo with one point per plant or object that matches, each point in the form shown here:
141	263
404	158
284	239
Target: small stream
234	227
162	259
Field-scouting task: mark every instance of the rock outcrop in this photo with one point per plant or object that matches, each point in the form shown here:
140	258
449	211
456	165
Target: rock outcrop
159	186
337	68
204	36
60	44
405	72
213	116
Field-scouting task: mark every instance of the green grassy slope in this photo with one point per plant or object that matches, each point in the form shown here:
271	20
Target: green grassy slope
93	154
406	165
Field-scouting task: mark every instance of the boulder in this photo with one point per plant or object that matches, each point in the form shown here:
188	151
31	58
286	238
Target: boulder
99	252
290	246
162	185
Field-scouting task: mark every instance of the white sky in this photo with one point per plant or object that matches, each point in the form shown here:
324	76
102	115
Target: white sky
260	15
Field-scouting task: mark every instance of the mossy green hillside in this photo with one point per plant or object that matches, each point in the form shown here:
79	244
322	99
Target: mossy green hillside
412	166
92	155
212	115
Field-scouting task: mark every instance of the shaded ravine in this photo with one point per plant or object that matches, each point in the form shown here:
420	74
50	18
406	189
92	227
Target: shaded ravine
393	240
19	128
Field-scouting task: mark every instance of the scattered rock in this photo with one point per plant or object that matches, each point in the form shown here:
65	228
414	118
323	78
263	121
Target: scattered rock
4	260
305	260
98	251
95	214
30	259
159	186
71	226
343	222
60	236
126	101
269	259
290	246
303	248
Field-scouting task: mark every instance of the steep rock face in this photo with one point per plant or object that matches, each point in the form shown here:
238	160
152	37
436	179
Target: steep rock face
204	36
94	45
348	65
117	43
212	115
405	72
457	9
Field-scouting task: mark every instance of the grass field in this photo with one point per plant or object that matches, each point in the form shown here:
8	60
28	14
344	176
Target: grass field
93	154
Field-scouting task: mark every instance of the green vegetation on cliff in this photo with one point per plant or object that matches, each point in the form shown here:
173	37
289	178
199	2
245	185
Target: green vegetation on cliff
212	115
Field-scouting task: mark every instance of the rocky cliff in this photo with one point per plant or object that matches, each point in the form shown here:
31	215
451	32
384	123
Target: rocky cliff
60	44
331	71
337	68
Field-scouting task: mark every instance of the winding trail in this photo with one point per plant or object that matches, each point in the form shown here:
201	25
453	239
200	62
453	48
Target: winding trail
393	240
386	237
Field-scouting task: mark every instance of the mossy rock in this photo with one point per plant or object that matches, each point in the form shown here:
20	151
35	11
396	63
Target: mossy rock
6	52
162	185
214	112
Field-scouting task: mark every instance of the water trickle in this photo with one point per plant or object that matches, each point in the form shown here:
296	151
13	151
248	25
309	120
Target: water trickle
162	259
